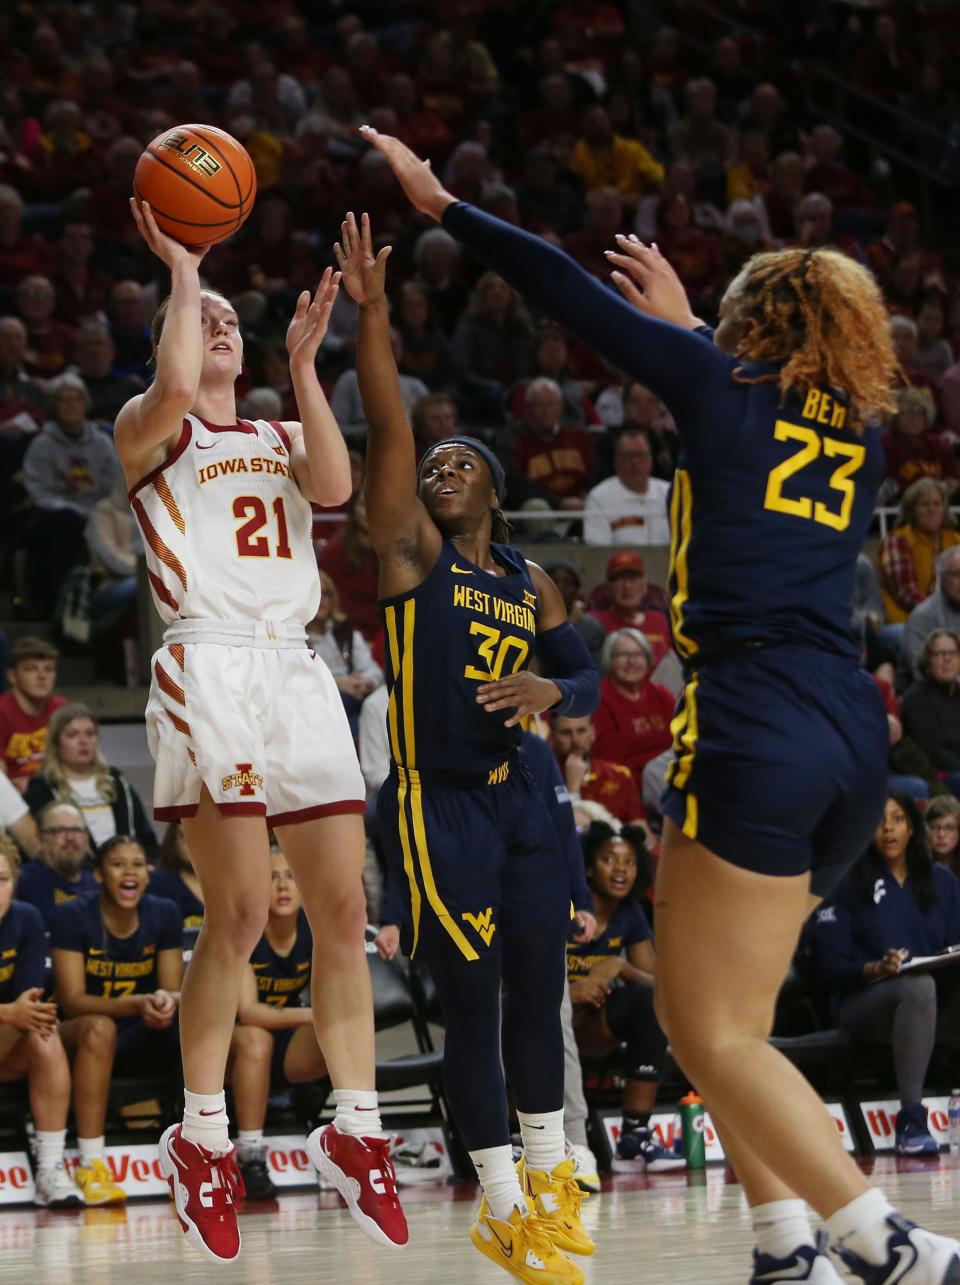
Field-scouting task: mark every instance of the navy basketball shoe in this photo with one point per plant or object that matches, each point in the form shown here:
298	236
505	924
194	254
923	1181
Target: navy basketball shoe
808	1263
914	1257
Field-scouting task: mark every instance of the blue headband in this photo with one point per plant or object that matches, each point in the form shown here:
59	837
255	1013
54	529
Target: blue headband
488	457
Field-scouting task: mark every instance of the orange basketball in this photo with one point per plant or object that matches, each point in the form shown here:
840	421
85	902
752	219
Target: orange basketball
199	182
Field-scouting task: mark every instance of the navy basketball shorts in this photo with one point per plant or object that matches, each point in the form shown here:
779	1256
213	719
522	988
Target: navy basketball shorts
474	864
281	1042
143	1050
780	762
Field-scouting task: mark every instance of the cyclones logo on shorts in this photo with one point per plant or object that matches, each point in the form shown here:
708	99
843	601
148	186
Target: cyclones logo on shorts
245	779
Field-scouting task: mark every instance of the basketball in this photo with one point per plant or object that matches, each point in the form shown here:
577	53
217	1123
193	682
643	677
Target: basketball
199	182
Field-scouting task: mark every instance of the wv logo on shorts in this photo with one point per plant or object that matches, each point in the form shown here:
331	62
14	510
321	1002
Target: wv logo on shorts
482	924
244	779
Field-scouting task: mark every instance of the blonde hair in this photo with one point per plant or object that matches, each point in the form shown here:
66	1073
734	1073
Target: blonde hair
820	317
53	769
329	591
10	850
911	501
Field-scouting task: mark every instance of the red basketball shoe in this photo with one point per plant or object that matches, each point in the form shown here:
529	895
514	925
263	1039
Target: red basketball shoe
207	1191
362	1172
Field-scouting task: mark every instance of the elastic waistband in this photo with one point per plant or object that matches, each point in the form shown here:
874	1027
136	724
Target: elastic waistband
443	779
238	633
744	647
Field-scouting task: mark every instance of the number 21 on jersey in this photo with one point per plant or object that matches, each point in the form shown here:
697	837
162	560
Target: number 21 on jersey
253	511
811	446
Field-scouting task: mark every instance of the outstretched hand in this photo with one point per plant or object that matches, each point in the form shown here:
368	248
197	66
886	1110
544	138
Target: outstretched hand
645	279
309	325
363	273
164	247
421	186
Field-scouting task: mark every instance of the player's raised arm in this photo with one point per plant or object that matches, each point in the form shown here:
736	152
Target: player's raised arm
674	362
319	457
151	419
395	514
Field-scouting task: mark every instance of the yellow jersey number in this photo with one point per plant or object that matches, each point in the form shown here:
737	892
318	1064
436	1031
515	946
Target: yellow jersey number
812	445
494	650
119	990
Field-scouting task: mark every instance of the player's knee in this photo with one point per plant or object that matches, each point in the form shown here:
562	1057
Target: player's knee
251	1044
42	1052
344	923
238	921
98	1036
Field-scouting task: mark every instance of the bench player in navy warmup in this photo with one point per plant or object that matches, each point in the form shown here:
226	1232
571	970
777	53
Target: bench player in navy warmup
780	745
489	898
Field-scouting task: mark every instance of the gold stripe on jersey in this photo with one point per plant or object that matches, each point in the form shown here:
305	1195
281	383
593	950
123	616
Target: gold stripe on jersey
685	729
402	663
681	529
426	872
409	621
691	822
165	554
167	684
179	724
408	869
392	713
177	652
162	488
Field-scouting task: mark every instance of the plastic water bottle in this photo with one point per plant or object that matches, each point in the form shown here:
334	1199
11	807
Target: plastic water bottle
953	1123
691	1123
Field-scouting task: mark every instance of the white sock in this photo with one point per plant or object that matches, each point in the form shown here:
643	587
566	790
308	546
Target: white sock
862	1226
498	1178
250	1143
205	1120
90	1149
358	1112
50	1147
781	1226
543	1141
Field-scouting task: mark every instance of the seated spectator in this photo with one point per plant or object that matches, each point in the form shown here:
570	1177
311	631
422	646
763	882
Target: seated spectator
174	877
347	404
130	326
16	820
903	333
894	903
274	98
603	220
611	988
948	389
635	603
551	358
113	540
278	261
635	406
885	66
549	457
548	205
81	288
814	226
699	138
942	819
908	556
744	234
22	254
491	345
553	116
425	352
437	256
696	256
940	611
901	240
931	708
117	971
749	178
766	110
843	186
423	131
27	707
567	579
433	418
74	771
591	778
59	873
351	563
680	181
911	446
605	159
632	722
787	179
933	353
342	647
274	1043
93	356
67	468
469	171
30	1044
631	506
49	341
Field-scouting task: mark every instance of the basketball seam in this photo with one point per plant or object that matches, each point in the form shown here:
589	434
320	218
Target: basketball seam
212	142
189	223
194	183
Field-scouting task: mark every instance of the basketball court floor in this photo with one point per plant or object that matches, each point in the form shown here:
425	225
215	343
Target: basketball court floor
662	1230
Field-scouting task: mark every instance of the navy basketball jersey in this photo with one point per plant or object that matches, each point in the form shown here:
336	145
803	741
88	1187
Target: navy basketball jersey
117	966
281	978
769	509
459	628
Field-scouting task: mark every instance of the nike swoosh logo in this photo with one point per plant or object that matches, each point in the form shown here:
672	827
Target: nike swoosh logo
536	1126
219	1111
906	1257
797	1272
459	571
205	446
508	1247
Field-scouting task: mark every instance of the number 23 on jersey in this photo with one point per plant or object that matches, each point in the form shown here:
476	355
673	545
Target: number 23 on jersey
811	444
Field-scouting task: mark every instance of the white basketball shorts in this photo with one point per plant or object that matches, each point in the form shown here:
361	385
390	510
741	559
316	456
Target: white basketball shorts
260	724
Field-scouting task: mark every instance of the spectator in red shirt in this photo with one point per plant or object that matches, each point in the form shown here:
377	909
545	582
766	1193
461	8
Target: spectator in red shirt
632	722
550	457
64	157
787	177
21	254
697	256
351	563
903	333
492	346
421	130
26	709
588	777
813	217
634	603
556	112
49	342
81	288
548	205
912	448
900	240
883	67
827	173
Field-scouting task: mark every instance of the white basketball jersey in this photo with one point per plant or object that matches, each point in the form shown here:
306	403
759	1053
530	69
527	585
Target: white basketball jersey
226	528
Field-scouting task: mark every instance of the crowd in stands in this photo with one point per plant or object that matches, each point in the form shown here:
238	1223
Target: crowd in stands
579	121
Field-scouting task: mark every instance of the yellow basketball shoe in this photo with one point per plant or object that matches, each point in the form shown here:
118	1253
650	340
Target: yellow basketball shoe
555	1198
96	1186
523	1247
